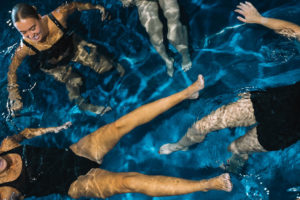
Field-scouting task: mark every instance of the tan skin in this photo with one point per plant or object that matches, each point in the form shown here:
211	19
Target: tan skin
11	164
42	33
100	183
251	15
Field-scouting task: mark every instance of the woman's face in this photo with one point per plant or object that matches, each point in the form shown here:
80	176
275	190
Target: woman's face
31	28
3	164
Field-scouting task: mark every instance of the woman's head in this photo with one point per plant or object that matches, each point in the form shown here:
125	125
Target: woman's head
28	22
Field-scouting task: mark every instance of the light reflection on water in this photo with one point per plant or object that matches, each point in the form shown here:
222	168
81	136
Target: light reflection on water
232	57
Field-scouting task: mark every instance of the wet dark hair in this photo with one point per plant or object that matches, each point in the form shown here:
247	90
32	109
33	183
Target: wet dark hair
22	11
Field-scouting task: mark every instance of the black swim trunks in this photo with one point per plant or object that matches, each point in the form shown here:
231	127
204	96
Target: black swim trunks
277	111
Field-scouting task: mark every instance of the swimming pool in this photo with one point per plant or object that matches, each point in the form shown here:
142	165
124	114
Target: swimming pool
231	57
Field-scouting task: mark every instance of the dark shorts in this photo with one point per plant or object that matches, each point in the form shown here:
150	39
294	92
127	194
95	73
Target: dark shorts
277	112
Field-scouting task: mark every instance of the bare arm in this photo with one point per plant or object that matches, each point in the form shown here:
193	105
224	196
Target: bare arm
9	193
62	12
12	87
14	141
251	15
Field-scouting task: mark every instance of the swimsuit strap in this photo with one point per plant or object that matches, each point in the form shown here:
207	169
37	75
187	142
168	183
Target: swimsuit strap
31	46
56	22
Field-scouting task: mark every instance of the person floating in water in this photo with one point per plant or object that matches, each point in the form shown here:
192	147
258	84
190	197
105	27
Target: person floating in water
31	171
251	15
272	112
55	46
177	33
273	115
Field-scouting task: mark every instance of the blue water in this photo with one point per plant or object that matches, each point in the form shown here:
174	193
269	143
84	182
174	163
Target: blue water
232	57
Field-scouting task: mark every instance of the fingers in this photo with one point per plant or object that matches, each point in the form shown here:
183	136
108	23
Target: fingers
240	11
241	19
68	124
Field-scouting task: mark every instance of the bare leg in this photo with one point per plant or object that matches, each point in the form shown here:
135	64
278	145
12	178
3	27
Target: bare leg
98	183
95	145
177	33
240	113
92	59
241	149
73	81
148	14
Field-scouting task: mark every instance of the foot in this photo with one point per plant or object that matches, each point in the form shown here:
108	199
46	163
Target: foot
170	68
235	165
221	182
93	108
193	90
170	148
186	64
101	110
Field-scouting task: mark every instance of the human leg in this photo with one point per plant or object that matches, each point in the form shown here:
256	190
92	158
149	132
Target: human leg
99	63
240	113
99	183
73	82
148	14
177	33
241	148
95	145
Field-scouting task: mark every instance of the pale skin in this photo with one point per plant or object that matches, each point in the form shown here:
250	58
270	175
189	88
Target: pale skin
177	33
100	183
249	14
42	33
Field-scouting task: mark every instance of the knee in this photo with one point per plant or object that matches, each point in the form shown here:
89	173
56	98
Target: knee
238	148
129	181
233	148
172	14
77	188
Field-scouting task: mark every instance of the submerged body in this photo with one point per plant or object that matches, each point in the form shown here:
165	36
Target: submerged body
90	151
177	33
54	46
273	113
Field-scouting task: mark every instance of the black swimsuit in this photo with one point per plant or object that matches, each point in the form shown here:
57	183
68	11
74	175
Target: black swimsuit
64	48
277	111
48	170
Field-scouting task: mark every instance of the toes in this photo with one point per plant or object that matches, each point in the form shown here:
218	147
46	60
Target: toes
164	150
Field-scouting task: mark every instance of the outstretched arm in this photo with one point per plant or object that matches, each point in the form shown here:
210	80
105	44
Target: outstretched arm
14	141
251	15
10	193
15	100
62	12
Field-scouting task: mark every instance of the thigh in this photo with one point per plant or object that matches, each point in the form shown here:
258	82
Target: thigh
95	145
237	114
247	143
170	8
148	14
59	73
97	183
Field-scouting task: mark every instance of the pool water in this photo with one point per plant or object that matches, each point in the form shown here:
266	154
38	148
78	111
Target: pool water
233	58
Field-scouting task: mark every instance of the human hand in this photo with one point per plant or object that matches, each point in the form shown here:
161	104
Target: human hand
14	105
62	127
104	14
249	13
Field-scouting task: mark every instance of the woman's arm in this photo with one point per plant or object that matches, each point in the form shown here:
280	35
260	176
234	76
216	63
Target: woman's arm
14	141
63	11
15	100
251	15
10	193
